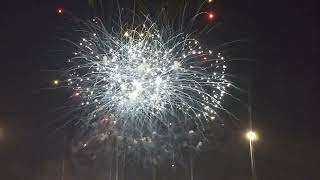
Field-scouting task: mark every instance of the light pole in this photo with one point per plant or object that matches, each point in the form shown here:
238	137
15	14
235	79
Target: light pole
1	133
252	137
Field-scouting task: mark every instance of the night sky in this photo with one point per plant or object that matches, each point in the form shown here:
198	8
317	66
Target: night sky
281	39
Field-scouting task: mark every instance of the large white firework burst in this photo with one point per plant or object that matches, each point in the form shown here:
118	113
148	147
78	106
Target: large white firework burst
145	79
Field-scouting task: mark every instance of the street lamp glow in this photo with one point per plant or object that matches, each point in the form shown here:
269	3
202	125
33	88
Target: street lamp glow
252	136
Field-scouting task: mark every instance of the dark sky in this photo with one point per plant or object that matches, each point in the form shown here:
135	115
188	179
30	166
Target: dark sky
282	38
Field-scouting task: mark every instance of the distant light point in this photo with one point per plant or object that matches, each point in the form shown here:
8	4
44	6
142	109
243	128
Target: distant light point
56	82
211	16
60	11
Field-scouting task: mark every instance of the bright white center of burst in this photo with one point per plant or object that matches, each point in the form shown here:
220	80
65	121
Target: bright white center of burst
137	75
143	88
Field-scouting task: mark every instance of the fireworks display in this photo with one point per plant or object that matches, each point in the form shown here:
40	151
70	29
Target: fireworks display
145	86
147	79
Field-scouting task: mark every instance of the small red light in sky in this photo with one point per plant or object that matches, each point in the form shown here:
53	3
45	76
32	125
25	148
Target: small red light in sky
60	11
211	15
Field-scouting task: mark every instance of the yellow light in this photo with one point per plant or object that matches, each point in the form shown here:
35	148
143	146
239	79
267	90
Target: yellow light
55	82
252	136
210	1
